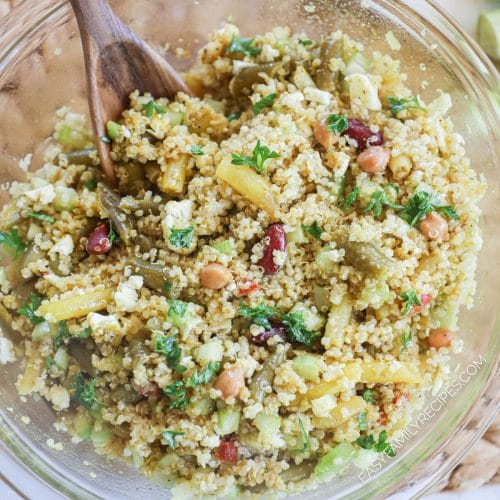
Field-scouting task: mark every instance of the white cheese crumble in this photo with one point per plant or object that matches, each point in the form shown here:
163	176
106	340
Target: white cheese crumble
101	322
362	88
319	96
43	195
322	406
7	354
178	215
279	257
126	295
292	100
59	397
64	246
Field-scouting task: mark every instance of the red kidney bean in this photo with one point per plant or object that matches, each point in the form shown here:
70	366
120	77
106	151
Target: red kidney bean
98	241
227	452
363	135
262	338
275	240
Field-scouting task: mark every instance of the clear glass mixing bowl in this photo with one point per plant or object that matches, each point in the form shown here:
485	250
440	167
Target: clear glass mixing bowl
41	69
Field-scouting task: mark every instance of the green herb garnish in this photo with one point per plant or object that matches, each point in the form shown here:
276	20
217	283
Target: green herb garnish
314	230
41	216
196	150
12	241
336	124
181	238
235	115
205	376
49	363
259	156
28	308
243	46
90	184
84	393
265	102
306	441
85	333
177	393
370	396
347	203
167	287
170	436
177	308
410	298
380	446
259	315
363	426
169	347
378	201
62	333
150	107
297	331
305	42
405	340
397	105
420	204
112	235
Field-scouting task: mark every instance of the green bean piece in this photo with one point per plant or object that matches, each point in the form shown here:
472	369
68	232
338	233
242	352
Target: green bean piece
326	79
131	178
123	223
152	171
154	275
132	204
262	381
80	157
242	82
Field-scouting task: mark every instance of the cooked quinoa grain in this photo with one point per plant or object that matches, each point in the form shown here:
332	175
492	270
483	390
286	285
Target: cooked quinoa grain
275	282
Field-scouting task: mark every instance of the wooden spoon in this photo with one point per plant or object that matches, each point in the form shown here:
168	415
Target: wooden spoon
117	62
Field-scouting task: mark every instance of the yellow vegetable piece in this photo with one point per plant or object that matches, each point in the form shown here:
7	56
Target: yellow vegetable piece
32	371
76	305
172	180
341	413
389	372
247	182
338	320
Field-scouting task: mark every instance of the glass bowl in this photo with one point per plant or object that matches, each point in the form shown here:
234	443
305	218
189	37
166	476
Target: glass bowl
41	69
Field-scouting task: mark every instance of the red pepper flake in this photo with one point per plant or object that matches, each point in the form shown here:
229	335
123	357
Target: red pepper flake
246	287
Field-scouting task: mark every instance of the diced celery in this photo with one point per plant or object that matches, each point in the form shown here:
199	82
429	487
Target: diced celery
224	246
324	261
43	330
309	366
312	320
296	236
268	425
83	424
228	420
174	117
113	129
61	359
334	461
217	106
66	198
202	406
211	351
376	294
101	437
445	314
357	63
366	189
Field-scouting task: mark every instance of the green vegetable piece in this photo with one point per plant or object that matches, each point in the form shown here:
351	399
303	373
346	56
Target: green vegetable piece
398	105
235	115
243	46
62	333
85	333
305	42
28	309
113	129
206	375
196	150
181	238
306	441
150	107
314	230
380	446
177	393
357	63
259	315
49	363
83	425
61	359
420	204
260	154
347	203
177	312
228	420
379	200
265	102
334	461
297	331
167	287
405	340
12	242
170	436
488	30
308	366
169	347
370	396
84	393
41	216
410	298
363	426
336	124
224	246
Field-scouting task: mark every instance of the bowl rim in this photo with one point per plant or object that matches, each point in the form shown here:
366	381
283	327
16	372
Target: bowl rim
480	412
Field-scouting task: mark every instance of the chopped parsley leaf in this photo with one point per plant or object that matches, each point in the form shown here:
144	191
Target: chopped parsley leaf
410	298
167	287
196	150
12	241
112	236
380	446
169	347
363	426
62	333
243	46
41	216
260	154
305	42
265	102
405	340
181	238
177	308
84	393
370	396
336	124
28	309
398	105
49	363
378	200
85	333
170	436
150	107
235	115
205	376
90	184
347	203
259	315
420	204
306	441
297	331
314	230
177	393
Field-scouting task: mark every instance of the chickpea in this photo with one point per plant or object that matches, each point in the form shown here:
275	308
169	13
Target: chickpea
434	226
215	276
440	337
230	381
374	160
323	135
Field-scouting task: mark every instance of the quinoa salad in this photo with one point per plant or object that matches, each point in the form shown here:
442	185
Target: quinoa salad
272	287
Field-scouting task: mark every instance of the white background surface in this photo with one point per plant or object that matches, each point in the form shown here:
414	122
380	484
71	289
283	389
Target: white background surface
466	11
